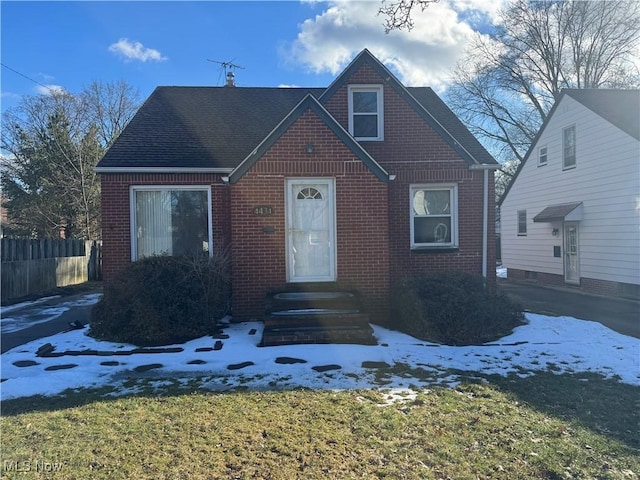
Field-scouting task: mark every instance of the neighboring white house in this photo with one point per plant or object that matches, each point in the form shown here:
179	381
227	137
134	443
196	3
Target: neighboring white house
571	215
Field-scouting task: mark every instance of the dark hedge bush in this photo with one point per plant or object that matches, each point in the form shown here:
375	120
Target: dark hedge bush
161	300
453	308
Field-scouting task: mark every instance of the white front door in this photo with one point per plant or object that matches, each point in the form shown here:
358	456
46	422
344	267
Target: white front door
571	257
311	246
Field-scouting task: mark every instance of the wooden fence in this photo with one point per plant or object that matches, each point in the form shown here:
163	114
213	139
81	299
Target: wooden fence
34	266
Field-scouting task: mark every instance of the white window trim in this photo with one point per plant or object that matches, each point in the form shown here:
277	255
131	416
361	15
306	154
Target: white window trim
380	112
546	155
521	234
453	188
575	148
132	210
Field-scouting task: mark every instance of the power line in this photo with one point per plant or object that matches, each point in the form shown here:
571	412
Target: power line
28	78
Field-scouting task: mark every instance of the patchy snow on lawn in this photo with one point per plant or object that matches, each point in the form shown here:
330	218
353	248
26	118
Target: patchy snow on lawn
399	361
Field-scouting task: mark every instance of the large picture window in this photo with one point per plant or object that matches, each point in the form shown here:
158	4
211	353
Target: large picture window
171	221
366	112
434	220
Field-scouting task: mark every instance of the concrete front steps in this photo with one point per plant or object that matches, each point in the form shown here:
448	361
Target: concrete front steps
317	316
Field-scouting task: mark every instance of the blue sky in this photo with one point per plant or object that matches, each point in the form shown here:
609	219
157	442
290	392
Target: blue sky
70	44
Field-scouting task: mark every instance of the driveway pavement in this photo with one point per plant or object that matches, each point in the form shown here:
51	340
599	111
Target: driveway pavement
619	314
40	318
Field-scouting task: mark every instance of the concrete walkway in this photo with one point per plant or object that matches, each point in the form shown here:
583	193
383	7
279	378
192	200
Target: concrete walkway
619	314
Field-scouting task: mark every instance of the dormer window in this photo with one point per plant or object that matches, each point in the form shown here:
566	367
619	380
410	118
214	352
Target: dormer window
366	112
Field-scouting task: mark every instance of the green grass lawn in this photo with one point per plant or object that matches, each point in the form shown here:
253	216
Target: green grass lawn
542	427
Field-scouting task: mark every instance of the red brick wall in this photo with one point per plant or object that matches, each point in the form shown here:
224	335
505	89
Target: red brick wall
116	217
259	258
415	153
373	218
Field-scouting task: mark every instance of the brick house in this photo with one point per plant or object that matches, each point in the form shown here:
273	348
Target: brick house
349	187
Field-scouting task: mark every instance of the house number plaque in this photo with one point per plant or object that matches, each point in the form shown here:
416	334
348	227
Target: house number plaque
263	210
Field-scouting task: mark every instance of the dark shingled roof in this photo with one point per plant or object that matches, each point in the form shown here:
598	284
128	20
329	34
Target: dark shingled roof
443	114
556	213
619	107
201	127
218	127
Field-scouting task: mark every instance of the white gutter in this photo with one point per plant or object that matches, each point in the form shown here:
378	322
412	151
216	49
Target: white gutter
485	212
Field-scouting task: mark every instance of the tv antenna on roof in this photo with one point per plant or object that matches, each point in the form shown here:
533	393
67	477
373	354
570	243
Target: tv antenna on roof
229	70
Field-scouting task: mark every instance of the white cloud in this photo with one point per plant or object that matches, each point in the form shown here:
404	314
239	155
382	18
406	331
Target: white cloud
50	89
423	56
135	51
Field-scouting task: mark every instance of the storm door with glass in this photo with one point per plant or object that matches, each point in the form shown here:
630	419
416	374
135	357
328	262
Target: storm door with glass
311	251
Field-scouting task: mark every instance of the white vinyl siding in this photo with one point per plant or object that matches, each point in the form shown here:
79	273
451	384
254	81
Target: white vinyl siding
607	183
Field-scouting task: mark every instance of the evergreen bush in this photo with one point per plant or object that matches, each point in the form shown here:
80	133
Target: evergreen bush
453	308
162	299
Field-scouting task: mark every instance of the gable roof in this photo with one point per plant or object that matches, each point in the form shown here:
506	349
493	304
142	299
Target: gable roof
215	129
621	108
427	104
309	103
206	128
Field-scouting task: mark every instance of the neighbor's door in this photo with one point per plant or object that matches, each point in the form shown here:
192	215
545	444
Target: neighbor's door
311	246
571	253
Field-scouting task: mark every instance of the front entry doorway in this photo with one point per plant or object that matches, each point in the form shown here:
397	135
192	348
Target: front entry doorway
571	253
311	231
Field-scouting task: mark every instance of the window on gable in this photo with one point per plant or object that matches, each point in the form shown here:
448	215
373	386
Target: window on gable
171	221
366	112
434	221
569	147
522	222
542	155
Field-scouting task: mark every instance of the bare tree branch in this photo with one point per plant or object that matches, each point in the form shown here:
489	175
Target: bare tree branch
399	13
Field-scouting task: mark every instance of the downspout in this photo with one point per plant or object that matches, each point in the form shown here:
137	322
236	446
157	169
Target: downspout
485	212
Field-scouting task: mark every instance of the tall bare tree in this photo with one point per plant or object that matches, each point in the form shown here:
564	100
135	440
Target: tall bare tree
509	78
51	144
508	81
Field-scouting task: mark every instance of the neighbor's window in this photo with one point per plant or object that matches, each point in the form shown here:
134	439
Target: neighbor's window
434	216
569	147
366	112
522	222
542	155
171	221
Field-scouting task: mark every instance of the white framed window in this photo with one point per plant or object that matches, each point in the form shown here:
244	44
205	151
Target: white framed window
434	215
366	112
522	223
542	156
569	147
171	220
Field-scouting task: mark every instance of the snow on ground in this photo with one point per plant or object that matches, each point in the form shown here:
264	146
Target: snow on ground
25	315
558	344
501	272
